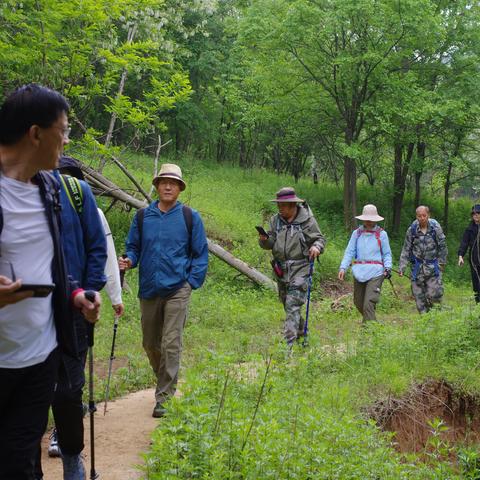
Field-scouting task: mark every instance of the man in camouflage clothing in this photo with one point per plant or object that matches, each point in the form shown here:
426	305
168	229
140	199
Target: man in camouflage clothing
294	238
425	249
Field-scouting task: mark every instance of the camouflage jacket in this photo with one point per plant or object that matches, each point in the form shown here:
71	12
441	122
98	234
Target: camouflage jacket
426	248
290	242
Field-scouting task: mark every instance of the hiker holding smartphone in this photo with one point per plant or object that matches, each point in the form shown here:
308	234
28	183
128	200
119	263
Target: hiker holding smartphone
295	239
33	331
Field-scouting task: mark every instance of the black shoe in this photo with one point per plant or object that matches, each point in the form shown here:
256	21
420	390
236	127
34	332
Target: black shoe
159	411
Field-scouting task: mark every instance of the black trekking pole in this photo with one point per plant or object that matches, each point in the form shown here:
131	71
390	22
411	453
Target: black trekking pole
90	296
112	351
305	327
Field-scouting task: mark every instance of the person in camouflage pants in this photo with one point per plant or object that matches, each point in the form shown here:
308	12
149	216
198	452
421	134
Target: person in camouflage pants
294	238
425	249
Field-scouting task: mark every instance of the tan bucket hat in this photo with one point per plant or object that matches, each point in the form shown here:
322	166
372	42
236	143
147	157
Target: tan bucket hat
370	213
287	194
170	170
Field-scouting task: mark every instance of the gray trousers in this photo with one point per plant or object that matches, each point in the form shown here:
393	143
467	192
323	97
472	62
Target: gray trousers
293	296
427	290
366	296
163	320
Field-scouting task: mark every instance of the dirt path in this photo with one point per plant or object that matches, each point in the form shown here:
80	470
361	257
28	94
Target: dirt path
121	436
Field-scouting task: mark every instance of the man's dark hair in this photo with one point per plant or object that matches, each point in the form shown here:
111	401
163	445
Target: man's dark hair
29	105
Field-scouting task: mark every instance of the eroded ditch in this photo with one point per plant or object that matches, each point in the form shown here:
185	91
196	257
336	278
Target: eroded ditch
412	415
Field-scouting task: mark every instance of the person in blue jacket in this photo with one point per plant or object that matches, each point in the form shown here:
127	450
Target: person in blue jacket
33	330
85	247
167	240
369	252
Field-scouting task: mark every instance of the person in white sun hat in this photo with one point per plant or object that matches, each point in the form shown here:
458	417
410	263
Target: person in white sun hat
369	253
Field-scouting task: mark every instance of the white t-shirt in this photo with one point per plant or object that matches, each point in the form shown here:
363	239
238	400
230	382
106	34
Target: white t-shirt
112	287
27	329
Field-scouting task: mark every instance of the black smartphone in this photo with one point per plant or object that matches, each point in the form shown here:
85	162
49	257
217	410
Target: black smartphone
261	231
39	290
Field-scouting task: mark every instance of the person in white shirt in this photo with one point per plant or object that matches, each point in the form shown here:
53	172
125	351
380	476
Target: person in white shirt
33	131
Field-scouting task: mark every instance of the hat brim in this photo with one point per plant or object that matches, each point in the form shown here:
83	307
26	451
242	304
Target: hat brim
183	185
370	218
287	200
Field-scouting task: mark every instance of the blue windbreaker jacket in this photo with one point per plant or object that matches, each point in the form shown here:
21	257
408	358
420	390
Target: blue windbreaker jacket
83	240
165	260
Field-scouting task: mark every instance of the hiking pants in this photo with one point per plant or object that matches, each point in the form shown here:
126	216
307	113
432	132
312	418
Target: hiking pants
427	291
293	295
25	397
163	320
475	271
366	296
67	404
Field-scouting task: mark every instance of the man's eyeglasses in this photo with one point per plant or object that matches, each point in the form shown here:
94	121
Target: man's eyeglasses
65	131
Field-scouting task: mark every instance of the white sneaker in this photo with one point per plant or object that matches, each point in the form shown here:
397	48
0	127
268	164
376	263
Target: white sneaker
54	447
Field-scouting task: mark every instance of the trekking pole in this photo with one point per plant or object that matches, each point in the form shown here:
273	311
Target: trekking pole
90	296
112	351
112	357
393	288
305	327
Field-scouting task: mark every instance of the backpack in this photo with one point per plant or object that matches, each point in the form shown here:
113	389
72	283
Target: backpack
377	233
432	222
416	262
74	192
187	217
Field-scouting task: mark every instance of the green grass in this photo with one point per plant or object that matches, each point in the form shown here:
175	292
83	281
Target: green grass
307	421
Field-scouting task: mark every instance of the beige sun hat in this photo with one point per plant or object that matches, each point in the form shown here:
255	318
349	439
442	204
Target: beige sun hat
170	170
287	194
370	213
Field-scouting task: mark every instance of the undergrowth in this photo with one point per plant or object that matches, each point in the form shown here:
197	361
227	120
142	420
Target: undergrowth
305	417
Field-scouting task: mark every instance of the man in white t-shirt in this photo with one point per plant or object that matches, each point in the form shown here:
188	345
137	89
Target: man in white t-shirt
33	131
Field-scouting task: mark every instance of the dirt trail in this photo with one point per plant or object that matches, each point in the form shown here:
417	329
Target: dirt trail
121	436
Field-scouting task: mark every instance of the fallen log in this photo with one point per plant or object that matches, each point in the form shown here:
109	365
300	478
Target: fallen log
241	266
100	183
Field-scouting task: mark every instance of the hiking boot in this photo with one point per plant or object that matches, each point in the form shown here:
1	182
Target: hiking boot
54	447
159	411
73	467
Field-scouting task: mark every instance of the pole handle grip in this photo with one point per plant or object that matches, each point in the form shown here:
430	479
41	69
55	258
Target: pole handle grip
122	272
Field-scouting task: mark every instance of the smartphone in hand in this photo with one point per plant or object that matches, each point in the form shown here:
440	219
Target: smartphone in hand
261	231
39	290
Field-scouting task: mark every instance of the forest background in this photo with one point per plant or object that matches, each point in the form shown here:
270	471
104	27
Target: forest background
379	100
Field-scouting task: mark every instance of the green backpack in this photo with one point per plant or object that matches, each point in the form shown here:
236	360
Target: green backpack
74	192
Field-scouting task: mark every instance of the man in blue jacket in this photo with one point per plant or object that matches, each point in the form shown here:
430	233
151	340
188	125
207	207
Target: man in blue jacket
33	330
85	248
167	240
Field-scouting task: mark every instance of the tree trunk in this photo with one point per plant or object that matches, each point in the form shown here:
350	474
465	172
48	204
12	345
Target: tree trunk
349	192
241	266
448	184
419	170
113	119
400	172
